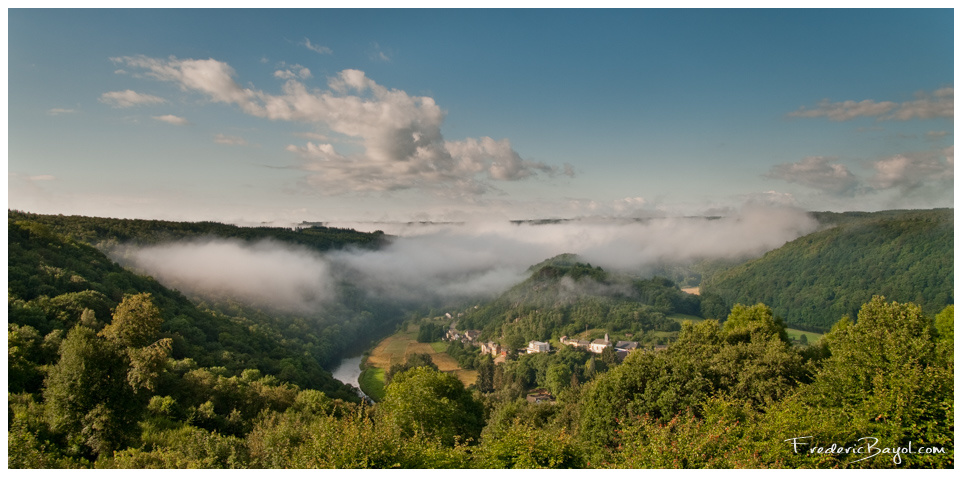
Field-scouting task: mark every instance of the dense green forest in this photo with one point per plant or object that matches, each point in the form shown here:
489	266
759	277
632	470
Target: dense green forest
109	369
226	361
105	232
814	280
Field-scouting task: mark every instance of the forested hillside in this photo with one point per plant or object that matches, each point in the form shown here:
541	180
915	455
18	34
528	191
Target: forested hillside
104	232
813	281
215	365
564	297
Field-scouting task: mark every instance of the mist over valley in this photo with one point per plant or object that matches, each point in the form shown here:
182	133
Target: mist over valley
443	263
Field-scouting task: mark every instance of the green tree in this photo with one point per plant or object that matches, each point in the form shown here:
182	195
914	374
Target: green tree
558	378
485	383
429	332
525	446
750	365
945	326
887	377
89	319
743	321
147	364
136	322
23	354
429	403
414	360
87	396
609	356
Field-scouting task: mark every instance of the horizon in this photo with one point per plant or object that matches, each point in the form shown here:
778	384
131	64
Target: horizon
352	115
357	225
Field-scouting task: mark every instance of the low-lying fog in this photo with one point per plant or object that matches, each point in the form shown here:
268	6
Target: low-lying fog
426	262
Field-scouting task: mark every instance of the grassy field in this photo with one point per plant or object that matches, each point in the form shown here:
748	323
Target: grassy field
680	317
371	382
395	349
796	334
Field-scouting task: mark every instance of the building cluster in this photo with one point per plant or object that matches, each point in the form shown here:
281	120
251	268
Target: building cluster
468	337
598	346
494	349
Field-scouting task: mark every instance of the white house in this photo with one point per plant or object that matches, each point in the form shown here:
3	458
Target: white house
538	347
597	346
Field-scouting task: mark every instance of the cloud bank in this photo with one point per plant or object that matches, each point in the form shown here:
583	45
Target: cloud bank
443	262
266	274
399	134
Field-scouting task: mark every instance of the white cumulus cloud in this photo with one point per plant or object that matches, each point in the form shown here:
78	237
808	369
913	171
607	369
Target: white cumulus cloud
292	72
818	173
129	98
911	171
400	134
171	119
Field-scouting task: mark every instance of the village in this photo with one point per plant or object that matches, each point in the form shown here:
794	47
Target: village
598	346
500	353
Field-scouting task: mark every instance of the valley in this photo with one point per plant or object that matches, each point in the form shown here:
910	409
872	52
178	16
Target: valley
618	355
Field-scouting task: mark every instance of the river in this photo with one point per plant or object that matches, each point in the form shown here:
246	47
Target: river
348	372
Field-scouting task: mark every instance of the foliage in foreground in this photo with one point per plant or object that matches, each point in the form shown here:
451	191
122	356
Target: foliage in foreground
735	396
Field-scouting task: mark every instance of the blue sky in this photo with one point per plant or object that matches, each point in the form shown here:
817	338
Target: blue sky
335	115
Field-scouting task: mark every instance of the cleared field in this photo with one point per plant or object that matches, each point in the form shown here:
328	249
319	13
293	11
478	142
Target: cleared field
419	348
680	317
444	362
389	351
468	377
796	334
664	334
396	348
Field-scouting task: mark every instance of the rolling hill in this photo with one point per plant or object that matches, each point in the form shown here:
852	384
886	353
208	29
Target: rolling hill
564	296
815	280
